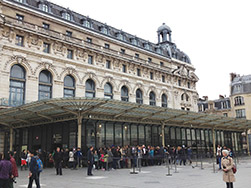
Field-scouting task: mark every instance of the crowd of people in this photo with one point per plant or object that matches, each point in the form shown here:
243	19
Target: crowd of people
106	158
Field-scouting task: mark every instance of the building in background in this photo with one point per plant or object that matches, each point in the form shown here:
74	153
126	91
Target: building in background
240	97
221	106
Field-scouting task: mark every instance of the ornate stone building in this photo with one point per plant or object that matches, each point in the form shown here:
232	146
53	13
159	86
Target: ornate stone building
43	39
48	51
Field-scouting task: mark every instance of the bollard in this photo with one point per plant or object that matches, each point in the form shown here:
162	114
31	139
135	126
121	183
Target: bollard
201	163
213	160
107	167
196	165
168	172
235	161
175	168
139	165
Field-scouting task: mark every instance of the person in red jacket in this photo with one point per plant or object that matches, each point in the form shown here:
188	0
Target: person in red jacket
14	169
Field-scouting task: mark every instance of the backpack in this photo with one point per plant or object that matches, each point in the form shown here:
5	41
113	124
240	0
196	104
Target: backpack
39	164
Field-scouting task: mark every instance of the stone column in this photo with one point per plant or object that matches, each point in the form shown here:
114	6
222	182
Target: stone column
11	139
163	134
213	132
80	117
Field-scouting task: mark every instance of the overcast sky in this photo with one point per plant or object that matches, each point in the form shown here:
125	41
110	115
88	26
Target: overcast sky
215	34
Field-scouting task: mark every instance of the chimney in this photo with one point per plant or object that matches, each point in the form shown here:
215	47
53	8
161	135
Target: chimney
232	76
221	97
205	98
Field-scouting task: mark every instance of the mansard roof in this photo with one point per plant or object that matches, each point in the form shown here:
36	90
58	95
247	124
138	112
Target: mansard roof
169	52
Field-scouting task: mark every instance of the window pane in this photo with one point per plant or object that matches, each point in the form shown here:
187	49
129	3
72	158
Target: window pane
118	135
100	135
69	81
109	134
148	135
141	135
155	136
134	135
45	76
126	135
17	72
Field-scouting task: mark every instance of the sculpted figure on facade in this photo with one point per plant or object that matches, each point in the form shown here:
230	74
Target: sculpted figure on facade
34	41
59	48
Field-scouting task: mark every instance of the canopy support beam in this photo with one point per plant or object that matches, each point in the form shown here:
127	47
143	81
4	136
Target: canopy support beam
247	142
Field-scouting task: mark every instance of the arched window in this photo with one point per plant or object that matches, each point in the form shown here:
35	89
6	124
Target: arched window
45	85
90	88
124	94
164	100
139	96
108	91
239	100
69	86
184	96
17	85
152	99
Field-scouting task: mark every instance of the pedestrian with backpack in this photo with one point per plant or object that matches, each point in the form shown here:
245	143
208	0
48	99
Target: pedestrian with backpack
35	169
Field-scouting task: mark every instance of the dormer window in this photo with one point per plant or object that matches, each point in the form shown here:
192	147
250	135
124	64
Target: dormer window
120	36
146	46
66	16
135	42
87	23
44	8
159	51
104	30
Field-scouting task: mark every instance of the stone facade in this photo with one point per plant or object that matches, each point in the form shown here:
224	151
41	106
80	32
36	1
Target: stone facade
170	77
241	95
221	106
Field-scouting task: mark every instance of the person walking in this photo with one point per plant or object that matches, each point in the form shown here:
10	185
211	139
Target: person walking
14	173
227	165
58	158
5	170
90	161
34	170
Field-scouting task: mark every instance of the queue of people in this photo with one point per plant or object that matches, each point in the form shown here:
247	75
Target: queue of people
107	158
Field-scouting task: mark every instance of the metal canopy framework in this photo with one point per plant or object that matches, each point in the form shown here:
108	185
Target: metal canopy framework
63	109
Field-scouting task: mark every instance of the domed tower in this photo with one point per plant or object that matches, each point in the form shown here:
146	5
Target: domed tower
163	31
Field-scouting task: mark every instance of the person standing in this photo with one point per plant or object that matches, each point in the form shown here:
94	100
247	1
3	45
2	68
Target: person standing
219	155
23	160
14	173
227	165
79	156
90	161
58	158
5	171
34	172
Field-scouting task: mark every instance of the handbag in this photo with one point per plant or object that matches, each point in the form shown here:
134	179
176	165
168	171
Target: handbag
234	169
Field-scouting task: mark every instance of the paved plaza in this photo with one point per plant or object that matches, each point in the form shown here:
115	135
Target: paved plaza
187	177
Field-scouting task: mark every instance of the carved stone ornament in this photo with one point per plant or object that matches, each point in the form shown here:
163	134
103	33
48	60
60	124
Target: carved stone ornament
34	41
20	60
59	48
